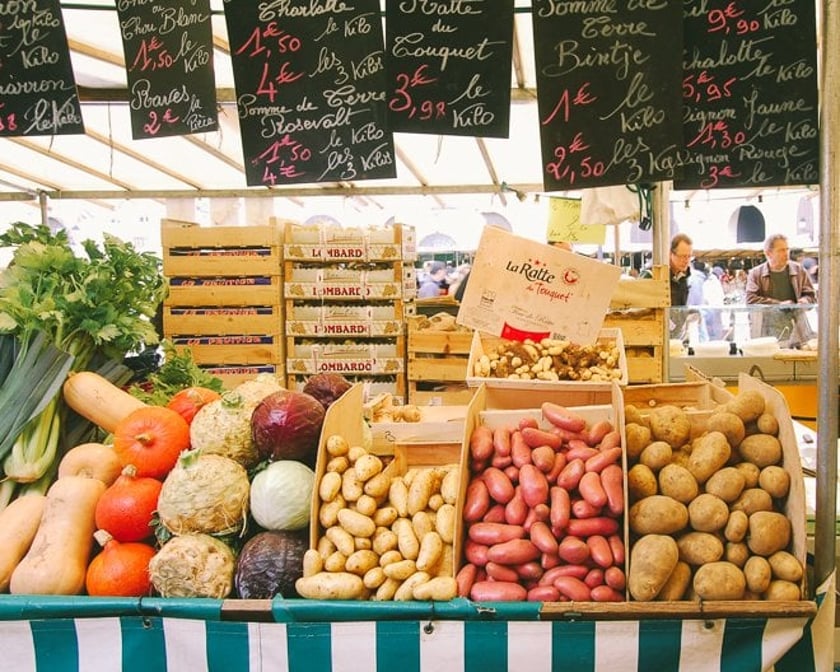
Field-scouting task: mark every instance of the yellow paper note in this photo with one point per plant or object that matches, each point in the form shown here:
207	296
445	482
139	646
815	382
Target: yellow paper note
564	223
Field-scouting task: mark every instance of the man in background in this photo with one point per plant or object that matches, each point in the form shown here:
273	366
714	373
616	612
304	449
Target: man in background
678	263
434	284
784	284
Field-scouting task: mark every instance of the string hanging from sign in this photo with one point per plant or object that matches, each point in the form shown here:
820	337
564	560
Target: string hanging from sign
644	192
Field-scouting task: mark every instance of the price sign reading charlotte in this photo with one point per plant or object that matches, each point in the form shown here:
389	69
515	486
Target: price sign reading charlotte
749	94
449	66
310	84
168	46
606	76
37	88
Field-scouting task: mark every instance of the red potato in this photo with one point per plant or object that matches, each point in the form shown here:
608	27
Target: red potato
499	572
596	433
540	512
606	594
475	553
501	441
578	571
498	485
513	552
547	560
476	501
498	461
583	509
494	533
562	417
611	440
530	571
497	591
481	443
465	578
516	510
520	452
535	437
534	485
496	514
599	551
594	577
570	476
542	537
528	421
573	550
586	527
560	462
616	548
579	449
573	588
477	466
612	481
614	578
512	472
543	594
591	490
603	459
543	458
560	506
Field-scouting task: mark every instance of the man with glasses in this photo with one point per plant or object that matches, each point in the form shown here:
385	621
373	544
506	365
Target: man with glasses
785	284
680	258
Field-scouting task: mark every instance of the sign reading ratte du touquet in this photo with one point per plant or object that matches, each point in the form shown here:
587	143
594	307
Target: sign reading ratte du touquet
519	288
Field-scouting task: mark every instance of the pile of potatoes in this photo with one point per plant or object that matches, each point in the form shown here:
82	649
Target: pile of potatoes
706	496
387	536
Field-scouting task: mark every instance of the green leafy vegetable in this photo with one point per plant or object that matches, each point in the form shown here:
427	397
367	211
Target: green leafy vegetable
177	372
97	303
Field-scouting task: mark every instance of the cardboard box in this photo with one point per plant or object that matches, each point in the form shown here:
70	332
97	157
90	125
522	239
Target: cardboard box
483	343
478	413
345	417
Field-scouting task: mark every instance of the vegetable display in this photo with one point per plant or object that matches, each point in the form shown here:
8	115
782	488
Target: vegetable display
705	515
98	303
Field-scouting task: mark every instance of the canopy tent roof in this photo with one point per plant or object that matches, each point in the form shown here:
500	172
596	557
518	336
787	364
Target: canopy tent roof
106	163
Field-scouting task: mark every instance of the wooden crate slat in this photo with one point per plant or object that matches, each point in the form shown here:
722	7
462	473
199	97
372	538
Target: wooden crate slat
222	321
637	329
177	233
439	342
644	370
451	394
222	265
234	353
437	368
239	294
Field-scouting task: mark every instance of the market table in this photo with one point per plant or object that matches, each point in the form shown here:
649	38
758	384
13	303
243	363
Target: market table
63	634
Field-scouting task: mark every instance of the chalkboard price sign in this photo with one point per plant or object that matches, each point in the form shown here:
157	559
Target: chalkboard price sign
37	88
168	47
310	86
449	66
750	94
608	74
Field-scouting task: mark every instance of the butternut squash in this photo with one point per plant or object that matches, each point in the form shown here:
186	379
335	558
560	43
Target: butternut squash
18	524
57	560
97	399
91	460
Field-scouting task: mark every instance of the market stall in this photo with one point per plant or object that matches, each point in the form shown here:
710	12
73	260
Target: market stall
510	621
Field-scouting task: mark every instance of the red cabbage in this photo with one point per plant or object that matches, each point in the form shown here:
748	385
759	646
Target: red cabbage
286	425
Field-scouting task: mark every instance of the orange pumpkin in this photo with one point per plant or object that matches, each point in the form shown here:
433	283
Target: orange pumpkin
189	401
125	510
151	438
120	570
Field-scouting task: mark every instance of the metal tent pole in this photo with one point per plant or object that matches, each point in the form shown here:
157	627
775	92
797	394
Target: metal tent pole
829	296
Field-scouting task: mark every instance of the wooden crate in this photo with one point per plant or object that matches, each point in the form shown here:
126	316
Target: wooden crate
697	395
226	291
326	243
247	349
639	308
178	320
190	250
437	365
233	375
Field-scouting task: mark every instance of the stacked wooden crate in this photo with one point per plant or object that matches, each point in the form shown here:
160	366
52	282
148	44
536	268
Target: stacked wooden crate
347	294
225	298
639	307
437	361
